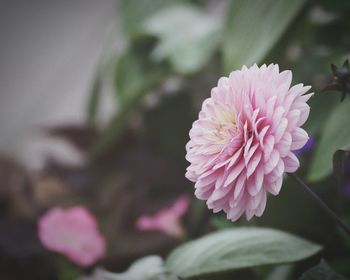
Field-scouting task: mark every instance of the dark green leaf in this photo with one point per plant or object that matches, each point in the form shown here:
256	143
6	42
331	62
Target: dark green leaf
321	272
253	27
239	248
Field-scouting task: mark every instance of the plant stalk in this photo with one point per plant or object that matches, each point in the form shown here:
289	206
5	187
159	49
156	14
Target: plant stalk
320	202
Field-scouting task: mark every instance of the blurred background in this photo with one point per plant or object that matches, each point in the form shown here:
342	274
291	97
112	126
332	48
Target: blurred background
97	99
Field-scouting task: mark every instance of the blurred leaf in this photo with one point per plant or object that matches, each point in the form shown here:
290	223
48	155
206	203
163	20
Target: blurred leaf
229	250
253	27
321	272
341	162
135	75
187	36
335	135
134	12
147	268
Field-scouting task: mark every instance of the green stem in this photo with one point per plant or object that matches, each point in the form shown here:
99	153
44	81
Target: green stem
320	202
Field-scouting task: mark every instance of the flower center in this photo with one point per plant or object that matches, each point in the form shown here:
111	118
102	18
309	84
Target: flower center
227	130
226	125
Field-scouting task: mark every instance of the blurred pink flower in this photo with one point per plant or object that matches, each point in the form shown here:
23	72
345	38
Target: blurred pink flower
244	137
166	220
74	233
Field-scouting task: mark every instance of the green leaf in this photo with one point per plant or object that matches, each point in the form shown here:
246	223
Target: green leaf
321	272
134	12
188	36
135	74
253	27
234	249
335	135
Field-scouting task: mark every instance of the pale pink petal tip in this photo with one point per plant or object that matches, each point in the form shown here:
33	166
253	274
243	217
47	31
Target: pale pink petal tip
74	233
166	220
242	142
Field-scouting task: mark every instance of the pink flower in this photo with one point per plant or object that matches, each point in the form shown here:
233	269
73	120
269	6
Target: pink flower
166	220
243	140
74	233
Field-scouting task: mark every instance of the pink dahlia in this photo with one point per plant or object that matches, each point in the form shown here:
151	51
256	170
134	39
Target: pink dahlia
242	142
167	220
73	233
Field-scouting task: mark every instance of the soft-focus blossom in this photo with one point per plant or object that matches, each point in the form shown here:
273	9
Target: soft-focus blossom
74	233
242	142
167	220
308	147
